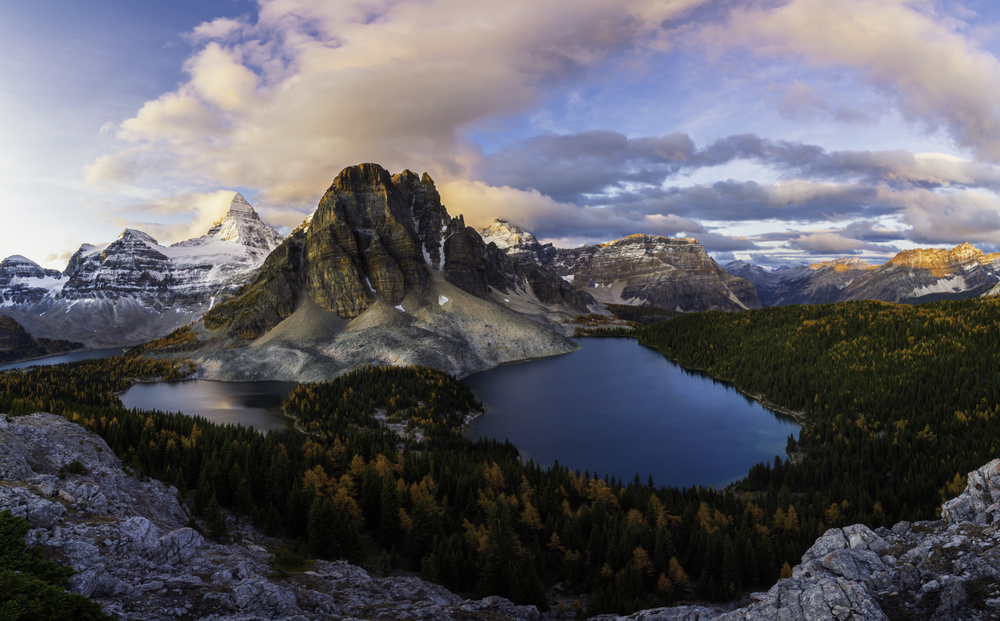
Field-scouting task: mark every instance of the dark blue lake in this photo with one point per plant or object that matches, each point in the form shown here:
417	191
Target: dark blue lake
615	407
252	404
75	356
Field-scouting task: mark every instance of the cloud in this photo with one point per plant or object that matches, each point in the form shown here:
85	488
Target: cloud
579	167
803	102
221	29
744	201
283	103
832	243
549	219
714	242
187	215
919	58
954	216
221	80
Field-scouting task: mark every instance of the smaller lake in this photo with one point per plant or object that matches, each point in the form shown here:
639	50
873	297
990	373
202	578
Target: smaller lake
76	356
251	404
615	407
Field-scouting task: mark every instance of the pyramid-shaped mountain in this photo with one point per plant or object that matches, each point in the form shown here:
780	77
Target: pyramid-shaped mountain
381	273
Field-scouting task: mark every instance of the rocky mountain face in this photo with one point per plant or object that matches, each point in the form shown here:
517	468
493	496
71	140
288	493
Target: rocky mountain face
911	276
137	556
924	274
640	269
391	277
134	289
819	283
23	282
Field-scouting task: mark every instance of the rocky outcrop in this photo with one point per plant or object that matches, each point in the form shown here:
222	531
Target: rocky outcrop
137	557
134	289
375	236
382	274
640	269
946	570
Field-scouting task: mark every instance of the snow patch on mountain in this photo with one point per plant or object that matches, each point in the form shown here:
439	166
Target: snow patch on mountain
955	284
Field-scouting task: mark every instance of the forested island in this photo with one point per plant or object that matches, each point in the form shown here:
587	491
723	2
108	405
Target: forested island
899	401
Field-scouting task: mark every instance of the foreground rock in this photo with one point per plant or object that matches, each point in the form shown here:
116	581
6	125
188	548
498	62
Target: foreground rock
137	557
947	570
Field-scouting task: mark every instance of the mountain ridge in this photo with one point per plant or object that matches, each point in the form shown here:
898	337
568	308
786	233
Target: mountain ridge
134	289
916	275
668	272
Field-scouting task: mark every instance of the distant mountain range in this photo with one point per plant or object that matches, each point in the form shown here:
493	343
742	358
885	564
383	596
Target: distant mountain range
912	276
671	273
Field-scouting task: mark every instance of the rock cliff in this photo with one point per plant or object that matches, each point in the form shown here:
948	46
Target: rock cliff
382	274
640	269
137	557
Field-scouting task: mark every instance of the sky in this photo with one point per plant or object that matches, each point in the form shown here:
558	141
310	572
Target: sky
773	131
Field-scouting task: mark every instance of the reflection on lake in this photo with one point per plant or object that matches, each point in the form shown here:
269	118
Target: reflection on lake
615	407
252	404
90	354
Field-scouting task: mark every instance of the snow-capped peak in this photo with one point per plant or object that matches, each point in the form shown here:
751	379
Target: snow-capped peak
507	235
17	259
138	235
241	225
240	204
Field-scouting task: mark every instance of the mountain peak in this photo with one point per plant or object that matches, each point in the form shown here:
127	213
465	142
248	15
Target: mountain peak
138	235
360	176
17	259
242	225
941	261
507	235
843	264
240	205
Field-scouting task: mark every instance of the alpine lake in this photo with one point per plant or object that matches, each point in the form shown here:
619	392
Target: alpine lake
612	407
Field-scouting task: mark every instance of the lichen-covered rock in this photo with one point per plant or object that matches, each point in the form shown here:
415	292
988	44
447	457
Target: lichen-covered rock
979	502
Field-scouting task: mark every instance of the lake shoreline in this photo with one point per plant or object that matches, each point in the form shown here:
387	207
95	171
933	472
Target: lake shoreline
616	409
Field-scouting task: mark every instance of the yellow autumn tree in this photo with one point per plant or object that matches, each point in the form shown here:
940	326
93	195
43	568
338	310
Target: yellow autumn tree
786	570
677	574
